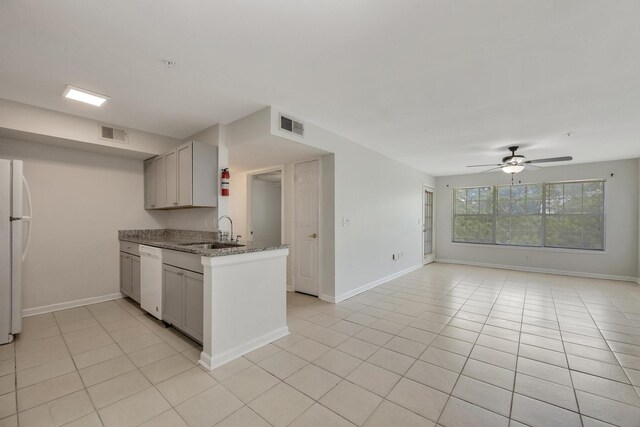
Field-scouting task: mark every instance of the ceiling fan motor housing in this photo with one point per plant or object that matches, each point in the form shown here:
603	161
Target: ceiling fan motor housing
513	160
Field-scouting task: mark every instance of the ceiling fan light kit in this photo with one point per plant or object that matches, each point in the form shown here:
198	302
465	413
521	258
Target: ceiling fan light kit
513	168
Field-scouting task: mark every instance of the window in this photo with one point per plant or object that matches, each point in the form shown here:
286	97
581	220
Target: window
575	215
473	219
557	214
519	215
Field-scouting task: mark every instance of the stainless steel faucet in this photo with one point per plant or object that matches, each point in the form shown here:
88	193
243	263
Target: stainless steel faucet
230	222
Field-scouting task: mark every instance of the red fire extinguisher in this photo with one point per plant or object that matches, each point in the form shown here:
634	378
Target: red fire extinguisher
224	181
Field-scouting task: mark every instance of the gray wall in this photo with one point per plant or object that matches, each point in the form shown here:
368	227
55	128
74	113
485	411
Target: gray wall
621	258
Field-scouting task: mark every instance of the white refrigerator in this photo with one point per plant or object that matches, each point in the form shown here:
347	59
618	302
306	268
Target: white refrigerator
15	232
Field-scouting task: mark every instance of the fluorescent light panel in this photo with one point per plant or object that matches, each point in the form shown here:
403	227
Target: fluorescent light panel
84	95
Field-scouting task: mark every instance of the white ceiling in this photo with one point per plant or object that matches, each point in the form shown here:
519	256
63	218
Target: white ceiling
435	84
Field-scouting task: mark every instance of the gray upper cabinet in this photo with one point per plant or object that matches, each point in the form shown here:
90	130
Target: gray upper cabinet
149	183
185	174
161	181
172	179
185	177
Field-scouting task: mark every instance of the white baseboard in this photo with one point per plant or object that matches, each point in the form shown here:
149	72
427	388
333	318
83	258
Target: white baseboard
368	286
69	304
540	270
211	362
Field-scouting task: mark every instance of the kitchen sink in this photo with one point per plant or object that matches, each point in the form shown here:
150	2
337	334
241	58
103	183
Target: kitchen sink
216	245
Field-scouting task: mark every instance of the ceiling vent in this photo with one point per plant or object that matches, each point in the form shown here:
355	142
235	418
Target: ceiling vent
291	125
113	134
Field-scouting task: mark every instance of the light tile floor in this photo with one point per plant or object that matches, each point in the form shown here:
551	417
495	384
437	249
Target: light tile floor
447	345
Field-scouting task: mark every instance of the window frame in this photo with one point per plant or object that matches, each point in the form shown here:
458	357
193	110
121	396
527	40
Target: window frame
544	215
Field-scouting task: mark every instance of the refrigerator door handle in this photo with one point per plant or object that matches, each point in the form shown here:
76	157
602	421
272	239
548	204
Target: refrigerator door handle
27	219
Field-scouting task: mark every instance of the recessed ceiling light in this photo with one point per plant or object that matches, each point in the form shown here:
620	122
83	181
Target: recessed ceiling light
84	95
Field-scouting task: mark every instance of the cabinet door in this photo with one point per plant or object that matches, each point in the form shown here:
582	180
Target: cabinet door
125	273
171	160
149	184
193	304
185	177
135	278
161	182
172	297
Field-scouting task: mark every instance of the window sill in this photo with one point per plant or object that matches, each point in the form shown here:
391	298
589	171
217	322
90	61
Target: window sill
534	248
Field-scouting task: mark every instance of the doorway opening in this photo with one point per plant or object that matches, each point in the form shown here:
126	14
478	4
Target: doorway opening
428	232
265	220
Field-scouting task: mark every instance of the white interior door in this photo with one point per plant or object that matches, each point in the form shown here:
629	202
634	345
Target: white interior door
306	207
427	226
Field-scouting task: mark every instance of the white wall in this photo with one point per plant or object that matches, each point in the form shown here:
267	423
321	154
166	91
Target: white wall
80	201
383	200
266	212
621	207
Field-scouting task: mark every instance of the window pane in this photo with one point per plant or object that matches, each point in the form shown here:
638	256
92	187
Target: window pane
519	215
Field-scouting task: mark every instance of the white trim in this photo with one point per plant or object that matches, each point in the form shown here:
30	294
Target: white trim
210	362
432	190
69	304
540	270
532	248
368	286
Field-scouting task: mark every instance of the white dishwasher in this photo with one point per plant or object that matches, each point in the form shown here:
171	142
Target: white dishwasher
151	280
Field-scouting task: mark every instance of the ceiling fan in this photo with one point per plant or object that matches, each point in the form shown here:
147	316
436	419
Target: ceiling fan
516	163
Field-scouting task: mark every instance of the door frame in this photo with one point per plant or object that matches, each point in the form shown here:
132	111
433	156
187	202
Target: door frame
250	175
293	249
432	190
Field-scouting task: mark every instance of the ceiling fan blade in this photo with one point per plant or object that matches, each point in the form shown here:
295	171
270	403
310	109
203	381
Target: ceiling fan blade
551	159
530	166
482	166
492	169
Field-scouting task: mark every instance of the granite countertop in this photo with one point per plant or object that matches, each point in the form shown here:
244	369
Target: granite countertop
178	240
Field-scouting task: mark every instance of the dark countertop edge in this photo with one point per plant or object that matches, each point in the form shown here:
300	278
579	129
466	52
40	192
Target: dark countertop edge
211	253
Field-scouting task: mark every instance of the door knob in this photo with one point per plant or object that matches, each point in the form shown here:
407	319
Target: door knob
313	236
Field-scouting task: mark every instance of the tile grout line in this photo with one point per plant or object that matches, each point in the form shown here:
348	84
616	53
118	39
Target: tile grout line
474	343
515	372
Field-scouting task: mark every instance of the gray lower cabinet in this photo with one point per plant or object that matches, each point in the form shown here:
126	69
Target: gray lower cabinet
130	275
172	295
182	300
193	294
135	278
